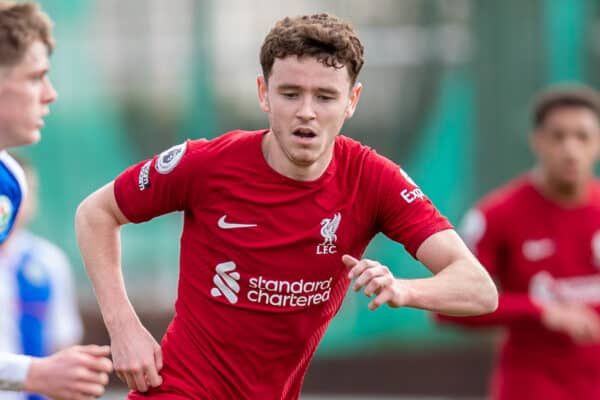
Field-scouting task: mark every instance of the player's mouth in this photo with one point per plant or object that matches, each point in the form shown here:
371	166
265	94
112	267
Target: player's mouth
304	134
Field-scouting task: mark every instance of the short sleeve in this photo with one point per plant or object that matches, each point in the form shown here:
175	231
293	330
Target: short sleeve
404	213
162	184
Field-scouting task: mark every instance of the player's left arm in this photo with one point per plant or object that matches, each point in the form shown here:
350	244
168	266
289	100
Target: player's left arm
459	285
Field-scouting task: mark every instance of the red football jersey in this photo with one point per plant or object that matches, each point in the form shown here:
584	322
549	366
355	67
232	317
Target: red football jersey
538	251
261	273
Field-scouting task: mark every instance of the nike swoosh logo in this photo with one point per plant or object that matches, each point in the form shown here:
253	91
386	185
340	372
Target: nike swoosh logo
229	225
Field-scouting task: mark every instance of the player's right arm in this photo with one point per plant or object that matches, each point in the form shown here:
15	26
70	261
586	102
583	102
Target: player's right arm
136	354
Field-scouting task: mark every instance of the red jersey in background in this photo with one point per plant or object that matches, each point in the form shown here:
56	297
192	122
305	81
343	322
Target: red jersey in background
538	251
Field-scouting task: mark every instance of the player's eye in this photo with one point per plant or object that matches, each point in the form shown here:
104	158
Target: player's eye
38	76
323	97
583	136
557	135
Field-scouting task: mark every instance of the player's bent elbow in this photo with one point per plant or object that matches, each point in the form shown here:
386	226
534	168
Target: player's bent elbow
491	303
88	216
82	214
488	295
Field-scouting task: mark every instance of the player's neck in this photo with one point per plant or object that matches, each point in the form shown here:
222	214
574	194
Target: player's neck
279	161
567	195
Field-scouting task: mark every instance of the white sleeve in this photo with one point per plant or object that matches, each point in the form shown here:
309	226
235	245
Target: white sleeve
65	326
13	371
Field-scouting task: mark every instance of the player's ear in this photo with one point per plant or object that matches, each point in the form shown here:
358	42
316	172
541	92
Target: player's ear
353	101
263	97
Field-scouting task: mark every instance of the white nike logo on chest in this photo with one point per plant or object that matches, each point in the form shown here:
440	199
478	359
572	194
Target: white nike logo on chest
231	225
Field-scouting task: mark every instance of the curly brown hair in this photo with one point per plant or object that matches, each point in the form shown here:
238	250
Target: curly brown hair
564	95
330	39
21	24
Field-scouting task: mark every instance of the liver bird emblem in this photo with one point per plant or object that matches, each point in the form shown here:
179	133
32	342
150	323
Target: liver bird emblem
328	228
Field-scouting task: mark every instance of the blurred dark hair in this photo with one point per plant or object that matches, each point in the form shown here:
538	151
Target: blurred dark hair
330	39
21	24
565	95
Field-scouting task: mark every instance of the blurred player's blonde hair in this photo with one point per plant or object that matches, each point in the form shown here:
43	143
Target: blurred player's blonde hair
330	39
564	95
21	24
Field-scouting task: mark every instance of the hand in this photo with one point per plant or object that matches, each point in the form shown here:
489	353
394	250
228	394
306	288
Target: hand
377	279
137	356
75	373
578	321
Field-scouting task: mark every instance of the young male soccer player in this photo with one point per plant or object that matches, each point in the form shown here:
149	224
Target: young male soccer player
25	93
276	222
539	235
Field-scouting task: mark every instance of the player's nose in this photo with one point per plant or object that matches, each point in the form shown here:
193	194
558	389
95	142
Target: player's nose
50	94
306	110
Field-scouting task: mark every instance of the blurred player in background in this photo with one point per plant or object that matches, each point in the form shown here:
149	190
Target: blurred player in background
36	289
275	225
78	372
539	236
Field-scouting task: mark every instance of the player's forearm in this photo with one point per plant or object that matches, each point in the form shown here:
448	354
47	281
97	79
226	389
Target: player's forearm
461	288
98	237
512	308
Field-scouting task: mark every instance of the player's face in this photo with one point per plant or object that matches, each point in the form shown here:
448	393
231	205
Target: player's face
307	103
25	94
568	145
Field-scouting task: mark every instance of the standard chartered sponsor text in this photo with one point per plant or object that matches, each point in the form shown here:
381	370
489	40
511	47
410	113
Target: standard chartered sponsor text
281	293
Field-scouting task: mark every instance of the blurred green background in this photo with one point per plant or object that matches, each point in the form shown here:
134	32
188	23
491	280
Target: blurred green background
447	88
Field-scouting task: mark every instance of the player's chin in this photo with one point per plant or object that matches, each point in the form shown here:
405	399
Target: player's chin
23	137
31	137
304	159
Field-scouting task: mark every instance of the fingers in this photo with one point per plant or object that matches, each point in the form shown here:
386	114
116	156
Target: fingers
349	261
96	362
90	389
356	266
129	379
587	331
581	335
135	379
375	278
140	381
580	323
85	375
95	350
122	377
153	378
141	378
381	299
365	271
158	358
